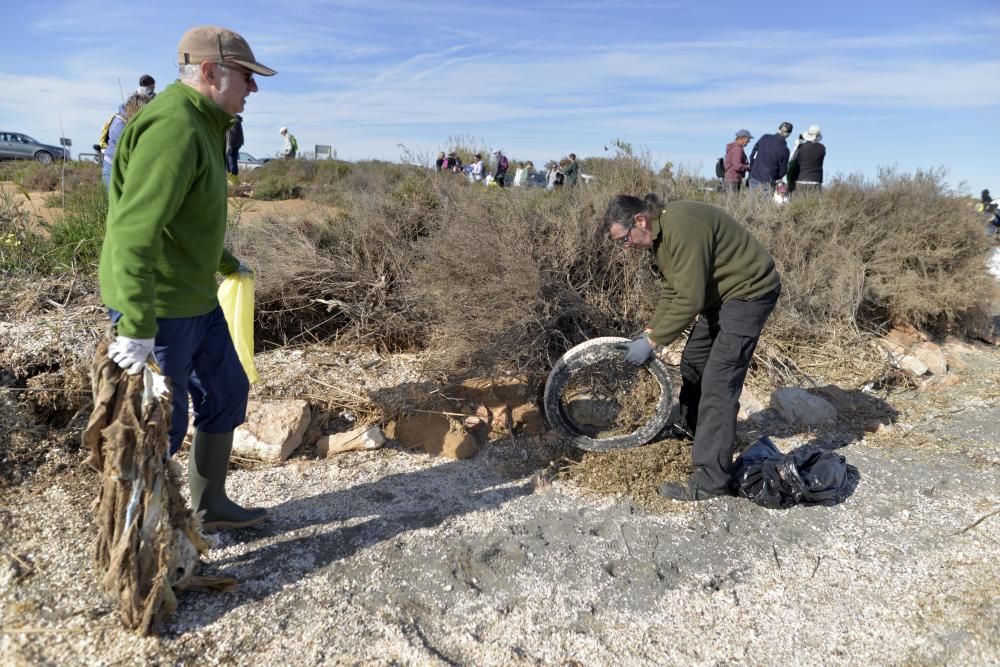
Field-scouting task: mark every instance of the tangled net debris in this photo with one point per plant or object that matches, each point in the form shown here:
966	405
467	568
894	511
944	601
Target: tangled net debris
148	541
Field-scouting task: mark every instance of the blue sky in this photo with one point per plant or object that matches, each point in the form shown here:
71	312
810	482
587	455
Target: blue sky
913	84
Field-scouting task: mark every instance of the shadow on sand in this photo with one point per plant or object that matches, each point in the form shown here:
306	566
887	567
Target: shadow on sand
345	522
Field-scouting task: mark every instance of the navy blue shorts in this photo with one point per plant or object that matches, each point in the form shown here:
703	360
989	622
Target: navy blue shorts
198	356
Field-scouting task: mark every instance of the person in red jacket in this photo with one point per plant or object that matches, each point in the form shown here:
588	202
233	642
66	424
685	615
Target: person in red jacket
736	162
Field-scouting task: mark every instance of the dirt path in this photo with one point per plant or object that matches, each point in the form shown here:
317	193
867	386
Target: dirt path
247	210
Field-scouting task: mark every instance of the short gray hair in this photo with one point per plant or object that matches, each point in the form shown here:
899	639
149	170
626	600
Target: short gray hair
189	72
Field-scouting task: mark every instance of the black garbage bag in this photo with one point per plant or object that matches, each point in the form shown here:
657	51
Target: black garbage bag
807	475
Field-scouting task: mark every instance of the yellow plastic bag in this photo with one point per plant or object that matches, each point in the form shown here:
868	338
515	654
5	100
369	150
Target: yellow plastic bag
236	299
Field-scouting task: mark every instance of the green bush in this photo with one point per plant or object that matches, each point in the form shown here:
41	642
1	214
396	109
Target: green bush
291	179
20	243
75	237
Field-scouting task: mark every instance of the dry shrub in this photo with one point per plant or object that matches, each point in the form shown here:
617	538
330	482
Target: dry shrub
342	278
486	280
515	278
37	177
865	254
511	279
292	179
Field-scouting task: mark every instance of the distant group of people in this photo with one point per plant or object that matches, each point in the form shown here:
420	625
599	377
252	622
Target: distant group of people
771	165
565	172
559	173
476	172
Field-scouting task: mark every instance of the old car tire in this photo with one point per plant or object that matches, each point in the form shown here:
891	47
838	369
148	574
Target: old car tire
44	157
586	354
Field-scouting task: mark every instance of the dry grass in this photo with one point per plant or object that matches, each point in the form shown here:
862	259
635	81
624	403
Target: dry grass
635	473
608	399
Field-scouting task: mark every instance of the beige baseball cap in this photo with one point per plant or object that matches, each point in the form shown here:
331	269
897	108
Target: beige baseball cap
219	45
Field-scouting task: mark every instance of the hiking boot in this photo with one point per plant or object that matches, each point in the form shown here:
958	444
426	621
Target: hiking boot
207	468
688	492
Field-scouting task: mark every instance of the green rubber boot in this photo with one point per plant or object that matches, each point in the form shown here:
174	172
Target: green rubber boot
207	467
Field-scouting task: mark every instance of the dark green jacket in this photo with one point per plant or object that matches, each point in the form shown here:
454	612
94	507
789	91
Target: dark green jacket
572	173
705	258
166	220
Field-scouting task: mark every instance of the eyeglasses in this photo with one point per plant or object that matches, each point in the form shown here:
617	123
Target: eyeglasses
626	238
247	74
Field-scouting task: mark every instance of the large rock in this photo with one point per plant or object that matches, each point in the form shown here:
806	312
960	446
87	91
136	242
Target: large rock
273	429
909	364
938	382
506	405
359	439
932	356
750	405
527	419
899	357
435	433
798	406
906	336
954	352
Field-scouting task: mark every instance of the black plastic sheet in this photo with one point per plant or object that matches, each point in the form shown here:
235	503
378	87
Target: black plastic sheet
807	475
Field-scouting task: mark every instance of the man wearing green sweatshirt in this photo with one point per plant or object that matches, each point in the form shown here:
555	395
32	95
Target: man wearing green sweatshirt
713	269
162	249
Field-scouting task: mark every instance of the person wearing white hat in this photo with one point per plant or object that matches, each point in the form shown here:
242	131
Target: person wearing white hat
291	146
810	156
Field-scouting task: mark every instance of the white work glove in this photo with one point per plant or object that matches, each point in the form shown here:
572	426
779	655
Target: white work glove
638	350
131	353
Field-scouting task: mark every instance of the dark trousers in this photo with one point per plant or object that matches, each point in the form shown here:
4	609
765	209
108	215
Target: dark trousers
732	186
198	356
232	163
713	367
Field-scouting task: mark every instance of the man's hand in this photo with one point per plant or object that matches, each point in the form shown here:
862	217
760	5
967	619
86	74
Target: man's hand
638	350
131	353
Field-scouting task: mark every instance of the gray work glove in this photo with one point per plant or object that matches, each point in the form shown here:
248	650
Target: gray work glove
131	354
243	268
638	350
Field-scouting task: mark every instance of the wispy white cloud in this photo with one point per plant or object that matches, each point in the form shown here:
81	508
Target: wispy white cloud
531	77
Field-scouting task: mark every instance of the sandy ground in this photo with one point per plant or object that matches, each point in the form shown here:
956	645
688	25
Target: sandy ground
251	210
390	557
246	210
34	203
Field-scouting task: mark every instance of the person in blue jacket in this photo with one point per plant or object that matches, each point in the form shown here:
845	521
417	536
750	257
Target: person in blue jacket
769	158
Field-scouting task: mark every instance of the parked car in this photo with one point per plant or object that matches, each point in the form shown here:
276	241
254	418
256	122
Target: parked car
248	162
17	146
